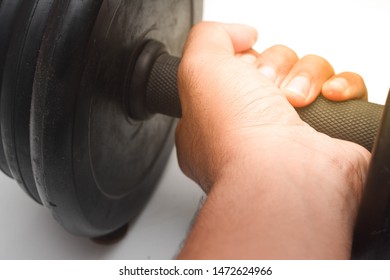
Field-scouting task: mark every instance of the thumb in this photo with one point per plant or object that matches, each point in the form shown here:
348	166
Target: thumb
220	38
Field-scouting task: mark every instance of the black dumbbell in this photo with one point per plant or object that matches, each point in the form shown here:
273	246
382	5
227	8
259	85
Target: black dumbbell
82	83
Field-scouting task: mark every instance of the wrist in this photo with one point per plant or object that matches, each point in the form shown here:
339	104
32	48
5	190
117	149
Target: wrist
285	204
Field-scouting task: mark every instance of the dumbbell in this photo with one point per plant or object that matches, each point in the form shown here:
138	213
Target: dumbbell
88	92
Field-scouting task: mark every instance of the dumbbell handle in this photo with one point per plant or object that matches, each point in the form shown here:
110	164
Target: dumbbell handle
355	120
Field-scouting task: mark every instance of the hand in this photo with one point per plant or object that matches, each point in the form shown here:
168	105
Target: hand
277	188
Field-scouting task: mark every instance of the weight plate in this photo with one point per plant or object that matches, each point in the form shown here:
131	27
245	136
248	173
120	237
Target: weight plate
16	94
95	167
8	13
372	231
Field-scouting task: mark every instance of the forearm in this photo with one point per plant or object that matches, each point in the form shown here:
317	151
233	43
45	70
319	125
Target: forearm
259	215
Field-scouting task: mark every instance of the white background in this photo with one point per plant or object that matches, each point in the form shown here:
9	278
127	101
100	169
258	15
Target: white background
352	35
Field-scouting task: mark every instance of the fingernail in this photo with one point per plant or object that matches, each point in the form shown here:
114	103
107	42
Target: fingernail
268	72
338	85
300	85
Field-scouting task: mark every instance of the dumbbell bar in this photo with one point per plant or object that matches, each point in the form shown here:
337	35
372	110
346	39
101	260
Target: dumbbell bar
153	89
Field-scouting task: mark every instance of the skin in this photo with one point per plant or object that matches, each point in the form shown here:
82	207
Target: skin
277	189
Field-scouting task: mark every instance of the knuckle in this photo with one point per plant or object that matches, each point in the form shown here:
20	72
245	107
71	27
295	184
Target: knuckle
199	27
312	58
317	65
284	51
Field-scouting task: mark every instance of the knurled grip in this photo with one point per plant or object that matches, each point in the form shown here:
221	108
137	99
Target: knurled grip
354	120
162	95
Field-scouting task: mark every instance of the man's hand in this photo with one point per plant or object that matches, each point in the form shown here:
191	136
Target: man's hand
277	188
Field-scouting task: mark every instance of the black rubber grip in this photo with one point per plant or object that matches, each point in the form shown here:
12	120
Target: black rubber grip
161	93
354	120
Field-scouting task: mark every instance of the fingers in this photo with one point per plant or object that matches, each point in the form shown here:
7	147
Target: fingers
345	86
302	80
305	80
276	62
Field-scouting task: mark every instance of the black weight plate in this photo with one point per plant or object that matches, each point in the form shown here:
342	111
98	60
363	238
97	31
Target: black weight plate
17	84
94	166
372	231
8	15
